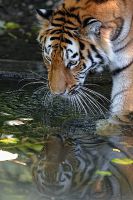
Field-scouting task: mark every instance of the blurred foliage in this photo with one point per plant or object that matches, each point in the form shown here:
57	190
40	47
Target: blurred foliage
9	140
123	161
103	173
7	26
11	25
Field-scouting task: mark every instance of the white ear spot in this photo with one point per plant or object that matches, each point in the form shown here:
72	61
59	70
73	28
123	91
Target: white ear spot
43	11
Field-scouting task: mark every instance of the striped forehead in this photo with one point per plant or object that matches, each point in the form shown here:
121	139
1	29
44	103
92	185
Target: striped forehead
67	44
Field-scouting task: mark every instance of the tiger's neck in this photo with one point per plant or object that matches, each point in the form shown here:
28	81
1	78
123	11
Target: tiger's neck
122	76
121	67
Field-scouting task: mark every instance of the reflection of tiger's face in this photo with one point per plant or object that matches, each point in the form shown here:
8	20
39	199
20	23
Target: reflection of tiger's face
53	171
53	178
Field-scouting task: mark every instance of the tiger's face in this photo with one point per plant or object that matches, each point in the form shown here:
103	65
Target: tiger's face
69	55
53	170
63	63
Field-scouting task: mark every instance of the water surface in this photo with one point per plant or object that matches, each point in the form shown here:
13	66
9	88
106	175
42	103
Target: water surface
50	150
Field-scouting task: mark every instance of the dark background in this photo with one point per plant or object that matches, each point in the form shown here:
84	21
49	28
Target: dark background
19	27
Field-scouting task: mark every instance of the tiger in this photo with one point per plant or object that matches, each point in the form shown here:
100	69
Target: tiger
82	36
71	169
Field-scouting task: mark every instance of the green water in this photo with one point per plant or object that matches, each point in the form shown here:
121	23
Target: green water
58	154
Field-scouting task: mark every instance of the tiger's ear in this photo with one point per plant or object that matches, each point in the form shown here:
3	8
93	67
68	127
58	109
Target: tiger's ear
92	26
43	15
95	29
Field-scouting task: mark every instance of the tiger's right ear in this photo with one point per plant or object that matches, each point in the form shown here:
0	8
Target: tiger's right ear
43	15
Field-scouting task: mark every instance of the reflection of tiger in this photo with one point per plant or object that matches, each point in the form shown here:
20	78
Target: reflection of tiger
81	35
83	169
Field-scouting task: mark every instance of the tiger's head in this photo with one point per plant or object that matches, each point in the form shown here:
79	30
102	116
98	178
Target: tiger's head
54	167
71	47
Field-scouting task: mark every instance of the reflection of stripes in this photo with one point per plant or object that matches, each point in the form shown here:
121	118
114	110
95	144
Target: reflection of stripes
87	164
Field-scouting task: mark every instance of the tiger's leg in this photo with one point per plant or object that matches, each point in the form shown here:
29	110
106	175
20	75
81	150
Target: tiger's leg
122	103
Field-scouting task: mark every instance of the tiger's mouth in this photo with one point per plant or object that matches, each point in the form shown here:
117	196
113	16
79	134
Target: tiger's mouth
74	90
69	93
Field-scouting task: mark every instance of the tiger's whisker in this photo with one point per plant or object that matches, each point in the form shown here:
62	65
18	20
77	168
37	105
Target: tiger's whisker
32	83
82	94
46	79
97	104
45	96
79	99
40	89
78	105
90	101
94	102
96	93
27	79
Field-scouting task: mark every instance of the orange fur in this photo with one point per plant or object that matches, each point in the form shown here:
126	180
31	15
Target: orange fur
111	14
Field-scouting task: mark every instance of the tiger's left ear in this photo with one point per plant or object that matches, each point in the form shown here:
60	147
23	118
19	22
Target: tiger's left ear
100	34
92	26
43	15
95	29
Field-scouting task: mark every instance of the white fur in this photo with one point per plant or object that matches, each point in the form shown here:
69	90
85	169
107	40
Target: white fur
120	85
49	49
75	49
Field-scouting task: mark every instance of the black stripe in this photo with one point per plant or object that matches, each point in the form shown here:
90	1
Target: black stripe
81	76
69	50
59	12
84	66
72	15
97	1
86	21
97	52
124	46
94	48
82	46
71	28
55	38
55	31
66	41
74	8
69	22
59	31
119	70
59	19
99	56
57	25
90	57
118	31
81	55
68	33
74	55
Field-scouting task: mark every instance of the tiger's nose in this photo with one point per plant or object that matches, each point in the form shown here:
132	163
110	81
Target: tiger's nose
58	92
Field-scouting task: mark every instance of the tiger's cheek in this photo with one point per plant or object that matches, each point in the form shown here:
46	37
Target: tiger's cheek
70	80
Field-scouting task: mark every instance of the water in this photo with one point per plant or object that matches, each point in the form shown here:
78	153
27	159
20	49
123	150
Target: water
52	151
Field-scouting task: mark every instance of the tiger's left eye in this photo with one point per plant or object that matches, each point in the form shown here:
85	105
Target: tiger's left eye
48	58
71	63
